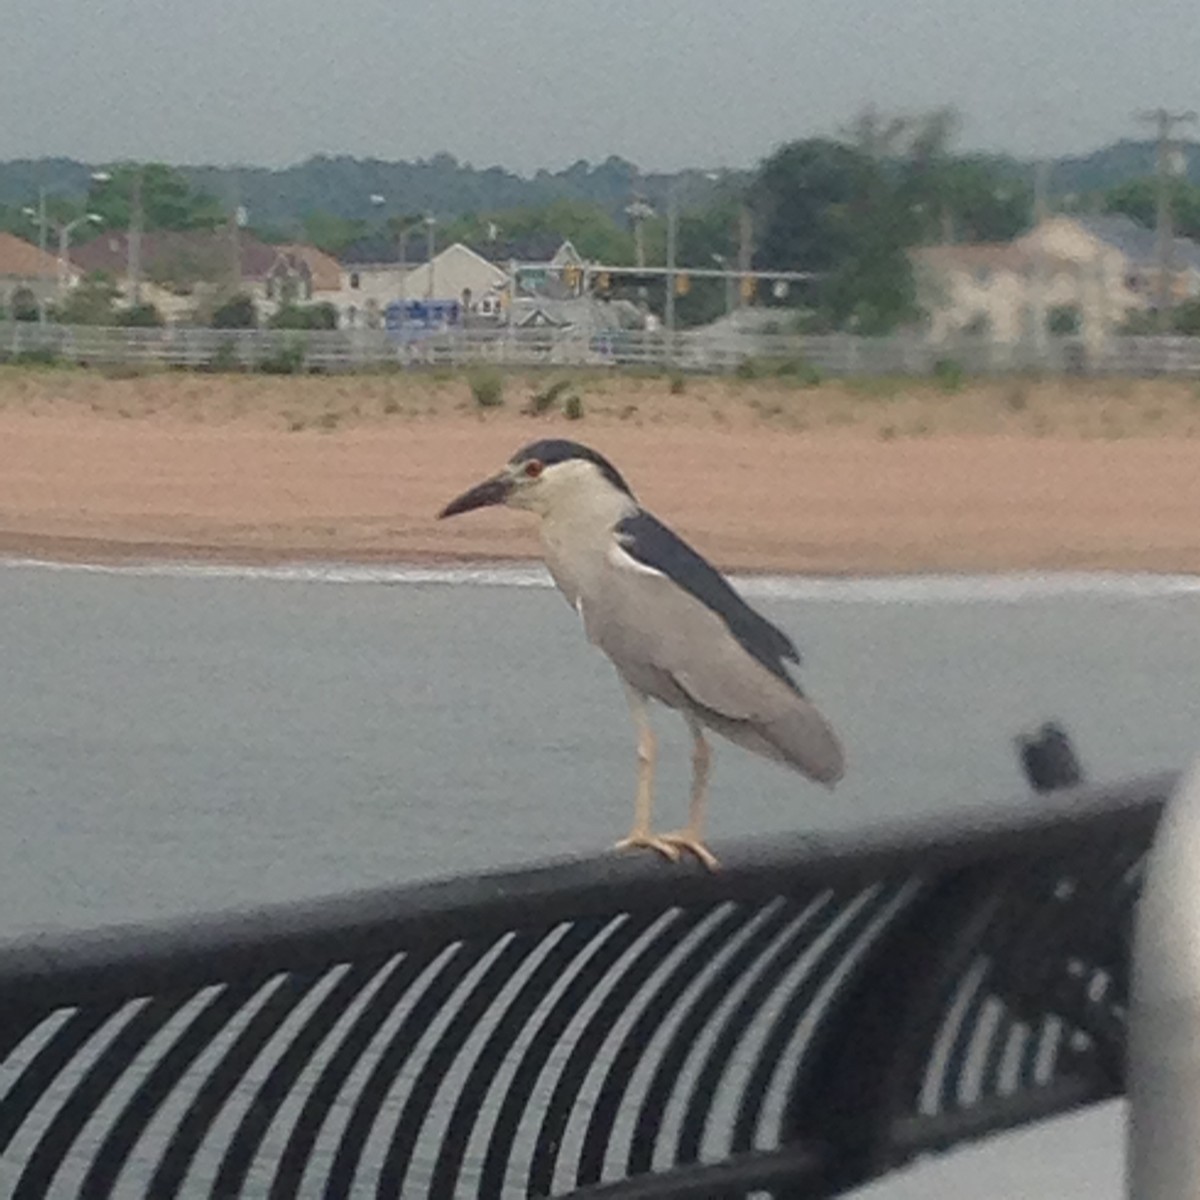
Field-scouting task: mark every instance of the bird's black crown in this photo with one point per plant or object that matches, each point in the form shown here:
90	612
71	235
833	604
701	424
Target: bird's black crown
556	450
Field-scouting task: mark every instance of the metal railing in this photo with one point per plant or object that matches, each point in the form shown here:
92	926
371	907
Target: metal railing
820	1011
700	350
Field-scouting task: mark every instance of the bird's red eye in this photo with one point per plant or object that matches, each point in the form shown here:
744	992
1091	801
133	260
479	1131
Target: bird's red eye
533	468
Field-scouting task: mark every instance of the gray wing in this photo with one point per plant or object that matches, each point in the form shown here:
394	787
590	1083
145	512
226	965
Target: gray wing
661	636
650	542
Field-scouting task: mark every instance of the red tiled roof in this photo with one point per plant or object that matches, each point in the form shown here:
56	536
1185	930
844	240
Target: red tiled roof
22	260
326	270
202	252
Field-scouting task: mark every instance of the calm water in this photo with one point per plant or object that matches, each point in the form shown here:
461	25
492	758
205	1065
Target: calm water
181	741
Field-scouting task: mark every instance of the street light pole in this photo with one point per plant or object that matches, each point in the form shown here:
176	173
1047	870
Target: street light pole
64	246
638	212
1165	155
402	245
64	231
1041	213
134	240
672	233
430	222
42	247
727	279
133	234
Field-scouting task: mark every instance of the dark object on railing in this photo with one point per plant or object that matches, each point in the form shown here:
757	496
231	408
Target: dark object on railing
819	1012
1049	759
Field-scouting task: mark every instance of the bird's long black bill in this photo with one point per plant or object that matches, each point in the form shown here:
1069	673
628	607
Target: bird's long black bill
490	491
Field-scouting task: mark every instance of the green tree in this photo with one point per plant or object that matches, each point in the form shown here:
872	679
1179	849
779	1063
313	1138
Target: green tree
706	238
977	202
91	302
331	233
238	312
1185	318
589	227
24	305
140	316
950	197
13	220
305	316
168	201
1138	198
827	207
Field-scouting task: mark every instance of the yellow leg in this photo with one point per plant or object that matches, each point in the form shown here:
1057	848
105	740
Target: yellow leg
691	839
640	836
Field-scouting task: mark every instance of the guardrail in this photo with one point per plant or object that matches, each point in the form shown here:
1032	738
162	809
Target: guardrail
289	351
822	1010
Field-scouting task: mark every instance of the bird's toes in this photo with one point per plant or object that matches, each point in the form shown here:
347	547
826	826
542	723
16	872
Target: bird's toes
649	841
689	843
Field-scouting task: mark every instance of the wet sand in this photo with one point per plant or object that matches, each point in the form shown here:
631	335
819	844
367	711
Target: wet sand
760	479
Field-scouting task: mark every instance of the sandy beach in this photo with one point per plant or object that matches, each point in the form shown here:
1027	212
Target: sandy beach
875	477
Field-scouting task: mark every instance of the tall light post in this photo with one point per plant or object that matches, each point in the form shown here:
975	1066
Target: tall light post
638	213
402	236
672	237
133	237
723	263
429	222
39	215
64	246
64	231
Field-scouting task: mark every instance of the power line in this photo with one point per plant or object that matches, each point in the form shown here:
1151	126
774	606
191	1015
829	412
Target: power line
1164	122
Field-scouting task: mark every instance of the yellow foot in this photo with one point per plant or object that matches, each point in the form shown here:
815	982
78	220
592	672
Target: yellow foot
648	841
684	839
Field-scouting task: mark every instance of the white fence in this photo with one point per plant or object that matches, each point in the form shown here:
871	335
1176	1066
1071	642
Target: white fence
287	351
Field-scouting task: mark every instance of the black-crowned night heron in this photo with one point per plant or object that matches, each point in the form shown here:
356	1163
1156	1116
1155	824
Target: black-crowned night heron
672	625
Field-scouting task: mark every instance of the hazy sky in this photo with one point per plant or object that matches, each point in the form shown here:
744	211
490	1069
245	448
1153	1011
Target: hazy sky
532	83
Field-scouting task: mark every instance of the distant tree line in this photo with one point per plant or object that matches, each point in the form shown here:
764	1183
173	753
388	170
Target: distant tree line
848	208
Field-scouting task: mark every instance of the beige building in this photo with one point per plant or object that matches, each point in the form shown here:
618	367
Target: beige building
1098	268
1124	253
456	273
1000	291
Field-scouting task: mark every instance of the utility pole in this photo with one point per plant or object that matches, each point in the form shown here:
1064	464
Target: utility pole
672	234
1164	122
430	223
1041	211
638	211
42	247
133	244
235	241
39	215
745	248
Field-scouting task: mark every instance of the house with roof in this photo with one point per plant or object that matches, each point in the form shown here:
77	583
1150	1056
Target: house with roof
374	277
549	258
301	274
1095	269
183	272
458	273
997	290
29	275
1124	246
581	314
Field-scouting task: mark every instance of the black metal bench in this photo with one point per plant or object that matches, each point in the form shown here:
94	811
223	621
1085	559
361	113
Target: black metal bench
819	1012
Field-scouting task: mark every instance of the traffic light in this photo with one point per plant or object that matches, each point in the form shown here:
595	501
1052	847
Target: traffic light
683	285
748	286
571	277
604	281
